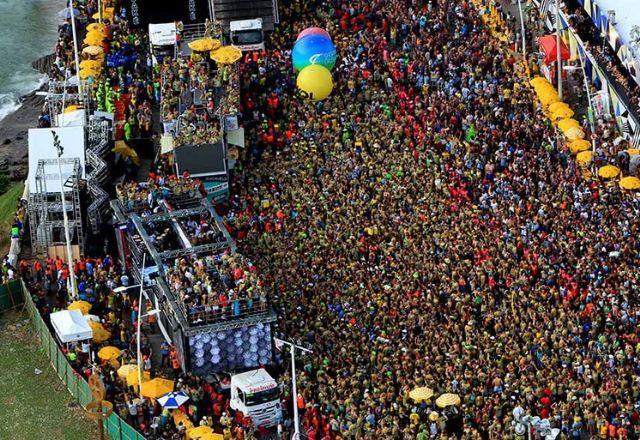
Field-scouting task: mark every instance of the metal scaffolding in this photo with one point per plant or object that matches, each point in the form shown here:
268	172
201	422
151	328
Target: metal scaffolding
98	171
45	209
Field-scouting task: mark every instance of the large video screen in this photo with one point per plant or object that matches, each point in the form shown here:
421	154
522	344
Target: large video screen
142	12
231	350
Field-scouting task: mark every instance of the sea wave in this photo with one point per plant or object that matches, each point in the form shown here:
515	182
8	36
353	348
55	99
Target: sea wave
9	103
12	101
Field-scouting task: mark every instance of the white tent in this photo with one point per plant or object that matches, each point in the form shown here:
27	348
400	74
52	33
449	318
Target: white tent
71	326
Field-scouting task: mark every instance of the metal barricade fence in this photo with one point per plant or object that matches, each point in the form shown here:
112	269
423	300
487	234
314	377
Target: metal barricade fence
115	427
11	295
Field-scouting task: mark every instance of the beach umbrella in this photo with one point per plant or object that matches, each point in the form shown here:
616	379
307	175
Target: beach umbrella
633	151
226	55
578	145
421	394
70	108
173	400
565	124
93	39
574	133
93	50
90	64
584	158
133	379
557	106
561	113
109	352
608	171
100	334
630	182
448	399
82	306
539	80
96	27
211	436
156	387
178	416
66	13
86	73
196	433
124	370
204	45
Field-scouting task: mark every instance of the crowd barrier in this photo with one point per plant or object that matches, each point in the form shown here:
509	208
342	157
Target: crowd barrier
114	426
11	295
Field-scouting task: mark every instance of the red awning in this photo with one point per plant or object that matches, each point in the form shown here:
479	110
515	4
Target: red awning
548	46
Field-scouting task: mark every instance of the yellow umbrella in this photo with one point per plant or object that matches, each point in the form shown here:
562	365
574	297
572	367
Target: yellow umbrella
156	387
93	39
448	399
204	45
539	80
608	171
557	106
178	415
574	133
82	306
93	50
584	157
226	55
86	73
96	34
633	151
195	433
578	145
96	26
421	394
106	15
211	436
565	124
126	369
132	377
109	352
125	150
90	64
100	334
630	182
561	113
71	108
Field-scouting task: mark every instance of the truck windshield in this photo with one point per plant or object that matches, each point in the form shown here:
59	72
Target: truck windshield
261	397
240	38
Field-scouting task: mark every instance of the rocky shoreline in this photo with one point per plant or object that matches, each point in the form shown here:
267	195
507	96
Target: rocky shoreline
14	128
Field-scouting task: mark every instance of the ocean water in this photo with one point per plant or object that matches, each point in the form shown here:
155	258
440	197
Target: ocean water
28	30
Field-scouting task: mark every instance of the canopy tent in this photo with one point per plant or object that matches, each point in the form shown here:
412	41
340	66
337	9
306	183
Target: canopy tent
70	326
548	46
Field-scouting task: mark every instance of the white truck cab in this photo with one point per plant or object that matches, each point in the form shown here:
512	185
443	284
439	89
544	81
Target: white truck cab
247	34
257	395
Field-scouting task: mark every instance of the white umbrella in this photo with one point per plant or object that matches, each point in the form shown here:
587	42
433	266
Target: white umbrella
173	400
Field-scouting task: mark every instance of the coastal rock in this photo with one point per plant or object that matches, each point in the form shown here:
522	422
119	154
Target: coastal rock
43	64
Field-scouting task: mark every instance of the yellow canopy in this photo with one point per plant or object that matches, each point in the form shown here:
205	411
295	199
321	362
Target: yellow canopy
578	145
109	352
608	171
93	50
156	387
557	106
132	377
71	108
561	113
93	39
633	151
574	133
421	394
584	157
126	369
196	433
204	45
630	182
565	124
82	306
226	55
447	399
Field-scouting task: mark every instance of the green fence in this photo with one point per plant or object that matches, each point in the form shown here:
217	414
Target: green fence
11	295
117	428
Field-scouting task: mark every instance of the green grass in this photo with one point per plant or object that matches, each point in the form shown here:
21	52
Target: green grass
8	203
33	406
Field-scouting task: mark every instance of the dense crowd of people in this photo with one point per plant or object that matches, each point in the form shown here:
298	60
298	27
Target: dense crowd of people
423	226
425	230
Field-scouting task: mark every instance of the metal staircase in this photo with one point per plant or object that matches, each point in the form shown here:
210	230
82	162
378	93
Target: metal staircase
98	171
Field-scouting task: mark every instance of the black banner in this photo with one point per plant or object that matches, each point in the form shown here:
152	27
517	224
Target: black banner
142	12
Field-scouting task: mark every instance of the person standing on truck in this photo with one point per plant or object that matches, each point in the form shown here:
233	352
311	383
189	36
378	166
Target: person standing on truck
175	363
